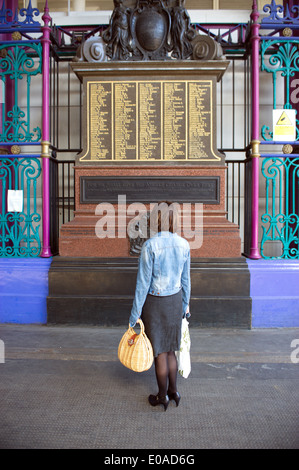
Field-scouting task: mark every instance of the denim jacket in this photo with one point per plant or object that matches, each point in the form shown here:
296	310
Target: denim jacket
164	269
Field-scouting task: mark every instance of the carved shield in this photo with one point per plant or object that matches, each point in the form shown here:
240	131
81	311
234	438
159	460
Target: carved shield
150	26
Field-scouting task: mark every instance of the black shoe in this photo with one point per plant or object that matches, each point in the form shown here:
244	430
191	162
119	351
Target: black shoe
155	400
175	396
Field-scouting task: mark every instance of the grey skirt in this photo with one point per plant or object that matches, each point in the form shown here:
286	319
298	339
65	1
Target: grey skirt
162	318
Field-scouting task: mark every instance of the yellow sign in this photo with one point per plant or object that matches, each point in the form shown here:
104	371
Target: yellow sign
284	125
284	120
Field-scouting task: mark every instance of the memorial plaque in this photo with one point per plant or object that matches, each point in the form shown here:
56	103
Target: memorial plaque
175	125
148	127
100	123
140	121
96	189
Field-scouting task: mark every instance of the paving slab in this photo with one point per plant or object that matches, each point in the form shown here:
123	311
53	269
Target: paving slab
62	387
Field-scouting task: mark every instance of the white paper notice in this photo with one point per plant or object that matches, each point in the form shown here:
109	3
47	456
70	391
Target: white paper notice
14	200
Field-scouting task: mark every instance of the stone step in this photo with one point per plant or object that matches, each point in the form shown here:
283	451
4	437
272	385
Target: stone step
101	291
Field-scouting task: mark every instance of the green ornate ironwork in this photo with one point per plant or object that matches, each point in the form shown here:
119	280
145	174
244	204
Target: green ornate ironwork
281	220
16	62
284	60
20	230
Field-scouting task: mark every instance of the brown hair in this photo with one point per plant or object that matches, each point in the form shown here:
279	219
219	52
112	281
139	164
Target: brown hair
164	217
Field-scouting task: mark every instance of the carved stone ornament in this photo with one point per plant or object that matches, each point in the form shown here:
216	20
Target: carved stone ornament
91	50
205	48
138	233
117	36
152	30
150	27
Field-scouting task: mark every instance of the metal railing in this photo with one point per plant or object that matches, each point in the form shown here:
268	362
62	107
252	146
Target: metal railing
20	196
280	221
62	182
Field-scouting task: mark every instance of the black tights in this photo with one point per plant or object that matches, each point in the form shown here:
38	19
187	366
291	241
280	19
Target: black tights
166	372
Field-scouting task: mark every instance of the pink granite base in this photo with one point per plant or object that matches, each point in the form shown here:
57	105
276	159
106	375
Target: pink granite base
221	238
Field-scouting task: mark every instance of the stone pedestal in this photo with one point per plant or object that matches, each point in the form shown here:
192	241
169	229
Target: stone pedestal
149	134
220	238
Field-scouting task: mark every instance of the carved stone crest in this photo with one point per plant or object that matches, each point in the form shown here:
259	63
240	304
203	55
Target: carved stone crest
150	27
151	30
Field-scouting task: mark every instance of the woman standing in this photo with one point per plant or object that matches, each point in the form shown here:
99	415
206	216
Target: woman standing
162	296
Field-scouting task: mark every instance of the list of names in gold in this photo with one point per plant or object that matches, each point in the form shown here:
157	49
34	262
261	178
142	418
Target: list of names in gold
199	118
174	121
150	120
149	106
100	120
125	121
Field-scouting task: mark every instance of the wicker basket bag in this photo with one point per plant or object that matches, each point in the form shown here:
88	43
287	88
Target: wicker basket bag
135	351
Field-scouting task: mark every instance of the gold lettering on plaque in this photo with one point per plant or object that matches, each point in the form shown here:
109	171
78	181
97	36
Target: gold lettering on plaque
175	121
124	116
158	120
150	133
199	128
100	121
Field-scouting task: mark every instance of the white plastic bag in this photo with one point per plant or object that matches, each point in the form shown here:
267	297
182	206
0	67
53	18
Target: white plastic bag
183	355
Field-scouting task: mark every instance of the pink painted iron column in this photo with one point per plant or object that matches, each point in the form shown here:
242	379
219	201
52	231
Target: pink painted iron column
46	250
255	133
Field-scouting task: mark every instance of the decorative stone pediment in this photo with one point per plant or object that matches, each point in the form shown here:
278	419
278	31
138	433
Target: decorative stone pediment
149	31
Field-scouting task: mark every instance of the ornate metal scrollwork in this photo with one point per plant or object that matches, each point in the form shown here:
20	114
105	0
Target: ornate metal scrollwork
280	222
20	230
280	13
15	64
284	60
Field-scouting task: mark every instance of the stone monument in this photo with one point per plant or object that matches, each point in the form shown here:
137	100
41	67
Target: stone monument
149	126
149	134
